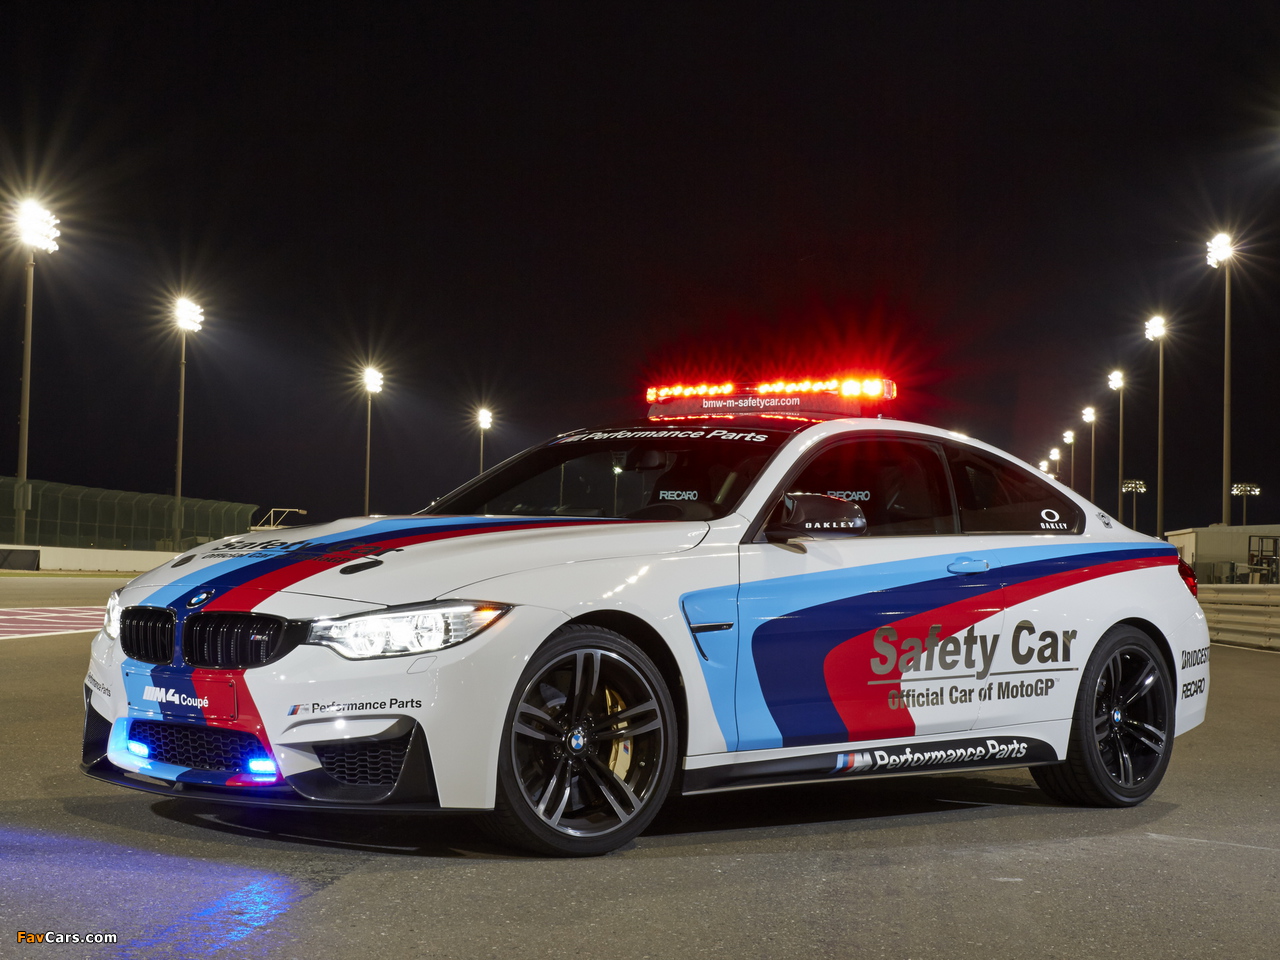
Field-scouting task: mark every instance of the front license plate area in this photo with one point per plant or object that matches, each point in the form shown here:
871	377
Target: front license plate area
175	694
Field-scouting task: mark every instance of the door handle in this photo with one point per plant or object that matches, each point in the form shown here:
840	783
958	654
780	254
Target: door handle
968	565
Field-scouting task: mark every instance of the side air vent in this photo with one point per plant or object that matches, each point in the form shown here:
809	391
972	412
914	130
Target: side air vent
367	763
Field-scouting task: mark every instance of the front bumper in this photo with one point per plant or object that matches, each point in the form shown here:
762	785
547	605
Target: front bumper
452	705
413	790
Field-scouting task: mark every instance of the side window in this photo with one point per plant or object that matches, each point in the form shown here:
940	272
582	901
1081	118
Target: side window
996	496
900	484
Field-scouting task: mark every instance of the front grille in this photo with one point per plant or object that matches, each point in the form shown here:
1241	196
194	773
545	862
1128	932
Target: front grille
371	763
201	748
232	641
146	634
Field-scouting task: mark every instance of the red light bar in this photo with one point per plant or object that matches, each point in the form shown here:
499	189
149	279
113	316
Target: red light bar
844	394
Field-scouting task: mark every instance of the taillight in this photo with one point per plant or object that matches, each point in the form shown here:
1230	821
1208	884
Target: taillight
1188	575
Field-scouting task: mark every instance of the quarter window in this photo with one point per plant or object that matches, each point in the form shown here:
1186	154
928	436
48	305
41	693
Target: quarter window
901	485
996	496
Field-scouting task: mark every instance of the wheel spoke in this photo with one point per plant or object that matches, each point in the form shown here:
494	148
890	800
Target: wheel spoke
606	728
586	677
1126	762
529	710
527	731
1151	737
611	786
1141	686
561	783
1101	727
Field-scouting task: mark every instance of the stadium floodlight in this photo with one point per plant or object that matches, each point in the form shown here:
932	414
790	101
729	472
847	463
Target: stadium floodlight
1116	382
37	227
1156	330
484	418
1221	253
1090	416
372	384
1244	491
38	230
189	318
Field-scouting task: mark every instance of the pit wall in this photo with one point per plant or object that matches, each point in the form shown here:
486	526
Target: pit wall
84	558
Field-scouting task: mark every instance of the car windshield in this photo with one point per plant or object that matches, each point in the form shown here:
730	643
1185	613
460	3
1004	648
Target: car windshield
692	472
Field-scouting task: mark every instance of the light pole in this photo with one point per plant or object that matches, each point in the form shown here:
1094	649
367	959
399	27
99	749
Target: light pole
1221	252
1090	416
1244	491
1155	331
485	419
1055	458
1069	438
1116	383
37	229
372	385
1044	466
189	318
1135	487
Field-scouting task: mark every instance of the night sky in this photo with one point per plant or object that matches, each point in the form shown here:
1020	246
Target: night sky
543	208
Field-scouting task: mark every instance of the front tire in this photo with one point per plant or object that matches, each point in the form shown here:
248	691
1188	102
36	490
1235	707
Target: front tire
589	750
1122	729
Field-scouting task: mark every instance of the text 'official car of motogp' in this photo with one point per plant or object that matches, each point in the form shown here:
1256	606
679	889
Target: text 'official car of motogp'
755	585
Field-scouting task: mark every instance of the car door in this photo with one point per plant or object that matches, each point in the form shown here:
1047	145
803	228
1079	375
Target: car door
1045	566
874	637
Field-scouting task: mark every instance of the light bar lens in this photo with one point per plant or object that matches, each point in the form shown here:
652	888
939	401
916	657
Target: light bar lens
262	765
874	388
139	749
406	631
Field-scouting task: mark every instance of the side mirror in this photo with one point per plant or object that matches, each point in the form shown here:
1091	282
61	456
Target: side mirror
814	516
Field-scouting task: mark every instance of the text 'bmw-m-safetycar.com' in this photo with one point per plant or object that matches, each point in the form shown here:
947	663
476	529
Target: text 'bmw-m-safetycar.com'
755	585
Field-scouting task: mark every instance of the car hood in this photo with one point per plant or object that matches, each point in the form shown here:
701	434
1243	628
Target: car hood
391	560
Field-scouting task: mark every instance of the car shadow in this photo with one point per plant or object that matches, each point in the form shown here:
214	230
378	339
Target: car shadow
704	820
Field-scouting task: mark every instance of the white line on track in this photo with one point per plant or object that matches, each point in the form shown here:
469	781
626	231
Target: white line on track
21	622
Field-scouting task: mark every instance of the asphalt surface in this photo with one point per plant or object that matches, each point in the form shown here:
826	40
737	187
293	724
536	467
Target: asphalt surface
955	866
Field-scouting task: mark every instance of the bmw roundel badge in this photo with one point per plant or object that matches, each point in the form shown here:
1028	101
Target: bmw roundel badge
201	597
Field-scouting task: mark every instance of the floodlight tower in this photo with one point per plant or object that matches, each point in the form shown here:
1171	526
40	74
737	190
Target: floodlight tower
189	318
1069	438
484	418
1244	491
1156	330
37	230
372	385
1116	383
1220	253
1090	416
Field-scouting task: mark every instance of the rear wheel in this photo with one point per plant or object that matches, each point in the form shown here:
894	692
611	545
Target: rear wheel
1122	730
589	749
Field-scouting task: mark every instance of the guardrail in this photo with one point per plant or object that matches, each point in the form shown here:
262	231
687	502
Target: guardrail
1244	615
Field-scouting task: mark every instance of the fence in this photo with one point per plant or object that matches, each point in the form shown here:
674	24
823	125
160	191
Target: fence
1247	615
68	516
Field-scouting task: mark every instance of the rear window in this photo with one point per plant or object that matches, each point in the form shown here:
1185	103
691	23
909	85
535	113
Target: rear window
995	496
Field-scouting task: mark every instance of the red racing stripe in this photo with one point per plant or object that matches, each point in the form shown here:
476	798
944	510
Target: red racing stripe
247	595
864	707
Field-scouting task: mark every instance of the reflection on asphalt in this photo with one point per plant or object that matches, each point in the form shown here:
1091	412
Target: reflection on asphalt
160	906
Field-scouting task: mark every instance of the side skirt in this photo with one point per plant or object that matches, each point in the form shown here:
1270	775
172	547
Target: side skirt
944	756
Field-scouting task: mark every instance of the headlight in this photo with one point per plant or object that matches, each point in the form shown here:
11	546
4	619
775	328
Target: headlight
111	622
406	630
